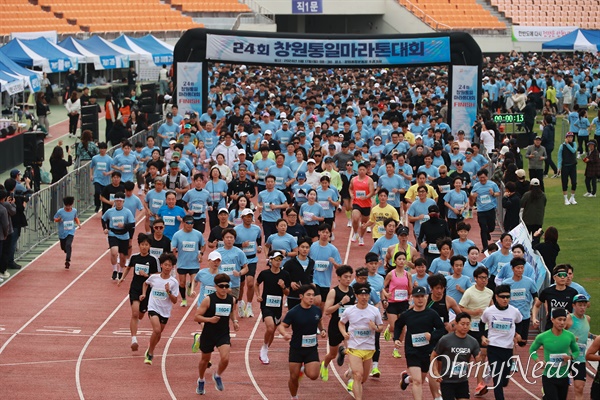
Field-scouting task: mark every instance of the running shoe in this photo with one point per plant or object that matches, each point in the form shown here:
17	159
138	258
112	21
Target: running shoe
241	308
361	242
114	275
148	358
369	230
403	384
119	275
263	357
481	389
375	373
396	354
341	355
355	237
188	290
67	264
592	195
324	372
183	303
350	385
572	200
196	344
264	360
332	238
249	313
134	345
349	224
5	275
218	383
200	388
567	203
387	335
587	194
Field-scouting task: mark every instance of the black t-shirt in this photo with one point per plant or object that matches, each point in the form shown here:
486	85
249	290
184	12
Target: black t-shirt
272	293
157	247
148	264
221	308
417	323
439	307
106	193
555	298
298	273
339	295
304	323
216	233
464	175
296	231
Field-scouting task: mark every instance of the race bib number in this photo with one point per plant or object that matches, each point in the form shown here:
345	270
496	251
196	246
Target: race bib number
400	295
309	340
445	273
475	325
392	197
458	206
215	196
268	207
556	359
156	252
156	203
209	290
517	294
381	230
502	326
250	249
383	252
169	220
197	208
273	301
68	225
432	248
141	267
324	204
188	246
117	220
321	266
308	216
262	174
485	199
208	141
222	310
111	197
361	193
425	218
341	310
220	244
362	333
126	168
444	188
582	348
228	268
101	166
159	294
459	369
279	180
419	340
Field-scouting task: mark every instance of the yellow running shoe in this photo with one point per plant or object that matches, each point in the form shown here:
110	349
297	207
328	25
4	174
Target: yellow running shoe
324	372
387	335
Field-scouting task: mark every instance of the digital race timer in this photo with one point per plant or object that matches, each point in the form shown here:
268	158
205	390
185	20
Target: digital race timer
508	118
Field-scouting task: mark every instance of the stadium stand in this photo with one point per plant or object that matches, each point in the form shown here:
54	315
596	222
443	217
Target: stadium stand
210	6
453	14
20	15
582	13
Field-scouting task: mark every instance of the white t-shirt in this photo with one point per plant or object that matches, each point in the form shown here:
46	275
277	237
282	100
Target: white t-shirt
159	299
501	325
361	335
487	137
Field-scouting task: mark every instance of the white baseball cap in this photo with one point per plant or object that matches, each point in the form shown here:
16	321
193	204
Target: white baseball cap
214	256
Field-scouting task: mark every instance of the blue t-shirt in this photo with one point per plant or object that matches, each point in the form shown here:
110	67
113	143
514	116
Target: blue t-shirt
286	242
282	175
496	261
381	247
115	217
188	245
300	197
207	281
456	200
251	235
101	164
431	172
439	266
308	212
485	201
376	282
155	200
197	202
233	259
283	137
420	208
390	183
128	163
262	168
267	198
170	130
507	273
214	191
323	199
297	167
67	226
461	248
468	270
421	282
521	294
463	281
169	215
323	267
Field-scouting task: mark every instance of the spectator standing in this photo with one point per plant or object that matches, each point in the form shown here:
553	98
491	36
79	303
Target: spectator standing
567	167
163	80
548	144
7	210
511	204
73	106
58	164
534	206
42	110
536	153
592	168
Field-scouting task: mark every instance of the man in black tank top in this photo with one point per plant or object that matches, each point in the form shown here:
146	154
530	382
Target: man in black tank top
216	313
337	300
440	302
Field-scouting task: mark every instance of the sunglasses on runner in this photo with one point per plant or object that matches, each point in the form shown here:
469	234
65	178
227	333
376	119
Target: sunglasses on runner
223	286
504	296
159	227
561	274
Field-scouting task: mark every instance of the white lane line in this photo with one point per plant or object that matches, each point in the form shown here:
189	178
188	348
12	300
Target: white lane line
10	339
524	389
163	364
83	350
247	357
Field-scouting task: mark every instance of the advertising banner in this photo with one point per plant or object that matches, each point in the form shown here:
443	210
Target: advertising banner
319	52
189	87
539	33
520	235
465	84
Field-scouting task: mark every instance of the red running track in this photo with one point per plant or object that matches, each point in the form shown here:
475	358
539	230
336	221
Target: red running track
64	334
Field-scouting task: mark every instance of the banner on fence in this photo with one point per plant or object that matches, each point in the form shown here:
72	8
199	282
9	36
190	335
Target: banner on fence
539	33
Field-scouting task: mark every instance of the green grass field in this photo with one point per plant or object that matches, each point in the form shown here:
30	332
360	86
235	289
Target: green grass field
578	229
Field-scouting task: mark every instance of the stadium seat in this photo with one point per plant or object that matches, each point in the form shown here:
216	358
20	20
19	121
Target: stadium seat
550	12
455	14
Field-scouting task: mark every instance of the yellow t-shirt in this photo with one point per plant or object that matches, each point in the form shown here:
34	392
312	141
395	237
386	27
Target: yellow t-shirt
411	193
409	137
380	214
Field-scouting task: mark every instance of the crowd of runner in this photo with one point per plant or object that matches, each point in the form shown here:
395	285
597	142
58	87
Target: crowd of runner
266	169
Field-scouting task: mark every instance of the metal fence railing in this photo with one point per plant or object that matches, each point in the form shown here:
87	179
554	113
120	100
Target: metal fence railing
43	204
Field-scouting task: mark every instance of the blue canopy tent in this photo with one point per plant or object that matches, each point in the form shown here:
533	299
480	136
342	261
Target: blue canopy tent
12	84
579	39
39	53
10	67
102	53
149	49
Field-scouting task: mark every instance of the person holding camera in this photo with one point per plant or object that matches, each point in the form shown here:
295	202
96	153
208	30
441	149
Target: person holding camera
20	193
7	211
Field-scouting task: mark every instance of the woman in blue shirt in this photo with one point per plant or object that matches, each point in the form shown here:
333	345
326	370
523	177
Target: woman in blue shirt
311	215
217	188
455	201
583	133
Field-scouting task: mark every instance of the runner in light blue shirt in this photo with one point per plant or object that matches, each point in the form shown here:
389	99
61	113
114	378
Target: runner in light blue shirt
126	163
326	256
457	283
